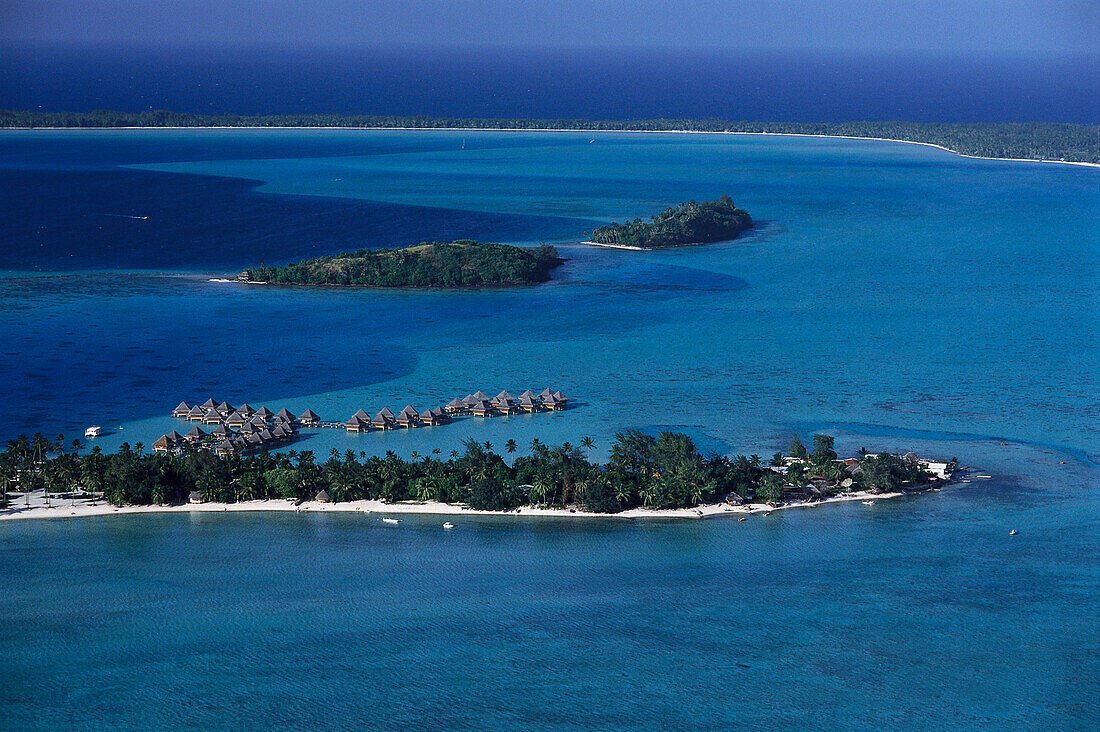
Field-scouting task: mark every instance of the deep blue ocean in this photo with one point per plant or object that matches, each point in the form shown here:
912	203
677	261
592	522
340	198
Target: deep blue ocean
622	84
895	296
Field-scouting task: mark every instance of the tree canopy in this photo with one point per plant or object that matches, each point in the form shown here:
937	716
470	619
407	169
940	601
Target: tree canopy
687	223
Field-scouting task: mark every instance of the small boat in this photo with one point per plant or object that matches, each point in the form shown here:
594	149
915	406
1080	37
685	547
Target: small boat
868	503
1012	533
94	431
741	519
448	525
983	477
391	521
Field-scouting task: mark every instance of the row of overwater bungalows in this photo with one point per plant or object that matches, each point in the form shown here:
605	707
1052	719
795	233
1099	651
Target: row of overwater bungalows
236	429
478	404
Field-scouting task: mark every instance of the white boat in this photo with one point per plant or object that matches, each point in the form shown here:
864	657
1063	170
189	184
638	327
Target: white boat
391	521
868	503
448	525
93	431
1012	533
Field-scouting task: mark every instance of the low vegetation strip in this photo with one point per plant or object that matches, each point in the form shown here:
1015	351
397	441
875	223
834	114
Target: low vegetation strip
1009	140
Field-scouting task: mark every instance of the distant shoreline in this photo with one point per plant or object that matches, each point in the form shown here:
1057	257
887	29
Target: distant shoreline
553	129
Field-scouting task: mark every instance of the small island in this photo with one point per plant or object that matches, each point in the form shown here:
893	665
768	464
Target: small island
688	224
463	263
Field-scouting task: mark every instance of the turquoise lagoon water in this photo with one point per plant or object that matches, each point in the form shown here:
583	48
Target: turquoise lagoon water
896	296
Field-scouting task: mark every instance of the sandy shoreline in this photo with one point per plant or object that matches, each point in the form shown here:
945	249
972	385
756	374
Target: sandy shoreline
591	132
62	509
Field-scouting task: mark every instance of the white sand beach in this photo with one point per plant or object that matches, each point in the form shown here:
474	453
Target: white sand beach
21	507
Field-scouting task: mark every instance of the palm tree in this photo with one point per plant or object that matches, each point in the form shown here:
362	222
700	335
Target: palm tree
588	444
414	455
488	446
510	447
454	454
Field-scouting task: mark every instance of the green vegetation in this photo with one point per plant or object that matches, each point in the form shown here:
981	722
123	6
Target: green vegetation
661	472
462	263
688	223
1030	140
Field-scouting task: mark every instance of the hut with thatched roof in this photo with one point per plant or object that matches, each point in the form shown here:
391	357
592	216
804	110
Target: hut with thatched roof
562	399
455	406
284	415
480	396
547	392
264	414
483	409
236	420
407	417
257	421
267	435
208	405
357	424
309	418
212	417
195	497
282	433
224	409
254	440
196	414
161	444
225	447
427	418
528	403
246	410
174	438
220	432
249	429
381	422
195	435
322	496
181	410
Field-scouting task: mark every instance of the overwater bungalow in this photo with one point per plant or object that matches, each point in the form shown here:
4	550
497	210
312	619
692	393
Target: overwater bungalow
264	414
249	429
225	447
503	402
257	421
546	393
240	443
195	414
267	435
284	416
362	414
357	424
220	432
440	415
529	394
208	405
528	403
385	412
195	435
562	399
408	417
253	440
212	417
181	411
236	420
224	409
455	406
381	421
483	409
480	396
161	444
309	418
174	438
428	418
470	401
246	411
551	402
282	433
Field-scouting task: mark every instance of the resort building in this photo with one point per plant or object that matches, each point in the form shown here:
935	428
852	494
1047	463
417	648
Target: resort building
196	414
225	447
483	409
455	406
195	435
224	409
245	411
195	497
220	432
357	424
181	411
264	414
236	420
212	417
208	405
309	418
408	417
284	416
381	421
527	403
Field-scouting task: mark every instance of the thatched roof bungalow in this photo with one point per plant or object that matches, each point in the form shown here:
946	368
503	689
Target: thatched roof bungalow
246	410
322	496
195	435
161	444
196	414
283	415
264	414
208	405
220	431
309	418
181	410
483	409
195	497
225	447
428	418
528	403
455	405
236	420
212	417
356	424
224	409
